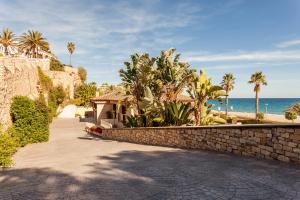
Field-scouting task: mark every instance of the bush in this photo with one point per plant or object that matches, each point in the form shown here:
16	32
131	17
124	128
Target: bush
82	74
291	115
57	96
8	146
55	65
260	116
85	92
30	120
131	122
44	80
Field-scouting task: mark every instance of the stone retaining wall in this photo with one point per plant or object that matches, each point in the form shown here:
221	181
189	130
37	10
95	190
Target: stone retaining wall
279	142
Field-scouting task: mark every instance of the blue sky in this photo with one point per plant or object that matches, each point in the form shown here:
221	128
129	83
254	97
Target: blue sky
234	36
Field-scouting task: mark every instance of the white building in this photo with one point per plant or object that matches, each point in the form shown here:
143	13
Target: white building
14	51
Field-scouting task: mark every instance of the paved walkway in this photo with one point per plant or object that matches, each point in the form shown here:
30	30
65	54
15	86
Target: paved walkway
68	167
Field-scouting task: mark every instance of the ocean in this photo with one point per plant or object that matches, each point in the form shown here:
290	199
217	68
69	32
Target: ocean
266	105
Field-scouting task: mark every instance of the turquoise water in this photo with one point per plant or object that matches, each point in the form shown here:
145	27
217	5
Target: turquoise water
266	105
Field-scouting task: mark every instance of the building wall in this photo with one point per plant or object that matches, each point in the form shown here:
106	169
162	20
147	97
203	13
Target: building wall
101	113
278	142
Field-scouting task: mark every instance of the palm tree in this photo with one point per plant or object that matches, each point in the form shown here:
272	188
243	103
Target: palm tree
258	79
137	75
228	85
201	90
33	41
71	49
7	39
172	74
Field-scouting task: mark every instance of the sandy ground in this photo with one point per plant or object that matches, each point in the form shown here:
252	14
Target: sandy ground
268	117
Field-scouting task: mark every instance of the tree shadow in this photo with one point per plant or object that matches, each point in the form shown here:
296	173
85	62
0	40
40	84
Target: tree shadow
159	175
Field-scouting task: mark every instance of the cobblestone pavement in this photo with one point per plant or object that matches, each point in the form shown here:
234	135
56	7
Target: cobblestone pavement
70	167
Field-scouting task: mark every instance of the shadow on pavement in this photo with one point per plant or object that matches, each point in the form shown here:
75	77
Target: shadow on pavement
159	175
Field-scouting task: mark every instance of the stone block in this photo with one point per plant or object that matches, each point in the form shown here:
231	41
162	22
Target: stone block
296	150
278	146
292	144
283	158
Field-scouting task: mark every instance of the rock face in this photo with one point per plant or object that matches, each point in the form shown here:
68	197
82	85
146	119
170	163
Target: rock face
18	76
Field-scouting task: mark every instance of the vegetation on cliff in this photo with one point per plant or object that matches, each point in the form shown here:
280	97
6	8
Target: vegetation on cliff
84	93
55	65
82	74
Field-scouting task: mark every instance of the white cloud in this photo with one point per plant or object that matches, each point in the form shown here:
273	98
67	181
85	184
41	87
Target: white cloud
288	43
246	56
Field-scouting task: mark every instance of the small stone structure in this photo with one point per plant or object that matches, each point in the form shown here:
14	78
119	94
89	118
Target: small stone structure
276	142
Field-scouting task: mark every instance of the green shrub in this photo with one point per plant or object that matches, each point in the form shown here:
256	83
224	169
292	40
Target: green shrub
131	122
56	97
260	116
55	65
291	115
44	80
85	92
232	120
82	74
30	120
8	146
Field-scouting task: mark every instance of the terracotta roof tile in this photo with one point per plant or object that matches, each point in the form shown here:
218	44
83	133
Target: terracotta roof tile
114	96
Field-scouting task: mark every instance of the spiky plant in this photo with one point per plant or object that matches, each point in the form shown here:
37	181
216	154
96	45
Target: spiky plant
201	90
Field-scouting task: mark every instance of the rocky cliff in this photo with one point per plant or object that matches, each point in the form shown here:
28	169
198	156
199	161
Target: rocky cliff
18	76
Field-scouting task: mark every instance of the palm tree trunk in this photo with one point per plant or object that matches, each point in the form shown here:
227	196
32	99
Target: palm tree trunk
6	51
196	116
70	58
226	105
256	104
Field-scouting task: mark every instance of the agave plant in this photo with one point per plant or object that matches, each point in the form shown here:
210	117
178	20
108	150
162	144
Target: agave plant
177	113
131	122
201	90
172	74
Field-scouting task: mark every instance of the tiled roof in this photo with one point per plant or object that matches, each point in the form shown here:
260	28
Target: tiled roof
114	96
117	96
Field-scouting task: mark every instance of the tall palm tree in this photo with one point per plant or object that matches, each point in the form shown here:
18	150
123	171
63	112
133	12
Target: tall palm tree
71	49
258	79
33	41
7	39
228	85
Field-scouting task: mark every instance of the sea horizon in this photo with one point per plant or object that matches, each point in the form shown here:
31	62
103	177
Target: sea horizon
266	105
